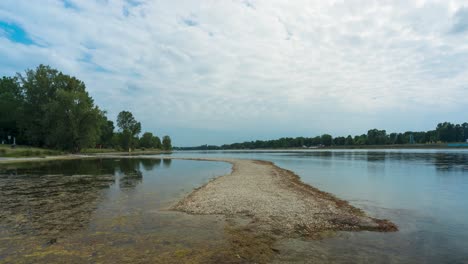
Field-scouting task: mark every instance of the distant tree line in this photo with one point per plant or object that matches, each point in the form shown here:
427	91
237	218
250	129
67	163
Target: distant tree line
46	108
444	133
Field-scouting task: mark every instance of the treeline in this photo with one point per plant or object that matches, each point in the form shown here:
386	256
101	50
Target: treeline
444	133
49	109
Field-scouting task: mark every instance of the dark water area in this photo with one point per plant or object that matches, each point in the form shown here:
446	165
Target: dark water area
425	192
105	210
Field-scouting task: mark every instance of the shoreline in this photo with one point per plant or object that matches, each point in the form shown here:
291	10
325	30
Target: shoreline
274	198
277	201
260	204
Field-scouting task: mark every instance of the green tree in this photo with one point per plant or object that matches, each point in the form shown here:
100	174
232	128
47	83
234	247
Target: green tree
107	132
157	142
73	121
349	140
339	141
57	110
465	131
326	139
376	137
446	132
11	101
166	143
150	141
130	128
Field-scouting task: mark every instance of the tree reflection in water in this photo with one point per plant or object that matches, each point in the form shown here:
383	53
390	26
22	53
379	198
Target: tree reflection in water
57	197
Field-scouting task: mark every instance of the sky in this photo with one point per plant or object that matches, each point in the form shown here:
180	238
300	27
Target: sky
215	72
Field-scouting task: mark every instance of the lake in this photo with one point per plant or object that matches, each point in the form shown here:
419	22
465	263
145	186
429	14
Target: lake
115	210
425	192
105	211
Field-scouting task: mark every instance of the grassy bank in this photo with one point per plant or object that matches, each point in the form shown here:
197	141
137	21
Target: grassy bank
118	151
25	151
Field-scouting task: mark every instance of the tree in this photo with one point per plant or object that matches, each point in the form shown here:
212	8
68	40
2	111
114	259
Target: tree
465	131
446	132
166	143
349	140
107	132
11	100
150	141
57	110
339	141
376	137
129	128
157	142
326	140
73	121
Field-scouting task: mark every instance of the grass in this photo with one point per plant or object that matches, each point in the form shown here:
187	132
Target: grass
24	151
97	150
109	150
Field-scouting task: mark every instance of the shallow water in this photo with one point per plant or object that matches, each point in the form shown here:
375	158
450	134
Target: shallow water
106	210
424	191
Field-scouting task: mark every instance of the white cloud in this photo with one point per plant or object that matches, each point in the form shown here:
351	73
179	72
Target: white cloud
297	67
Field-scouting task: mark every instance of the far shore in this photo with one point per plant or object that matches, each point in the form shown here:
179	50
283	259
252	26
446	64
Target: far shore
371	147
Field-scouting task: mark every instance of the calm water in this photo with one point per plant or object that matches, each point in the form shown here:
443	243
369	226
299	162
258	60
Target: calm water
105	211
424	191
114	210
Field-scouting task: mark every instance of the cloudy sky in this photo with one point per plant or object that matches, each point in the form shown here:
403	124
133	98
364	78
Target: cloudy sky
213	72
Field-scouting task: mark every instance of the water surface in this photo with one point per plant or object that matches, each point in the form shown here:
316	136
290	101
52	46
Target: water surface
425	192
105	210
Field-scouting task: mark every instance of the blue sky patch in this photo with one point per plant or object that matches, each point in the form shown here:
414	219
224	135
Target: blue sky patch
190	22
461	23
69	4
15	33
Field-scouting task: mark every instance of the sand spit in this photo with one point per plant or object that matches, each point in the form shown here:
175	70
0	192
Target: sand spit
277	200
274	198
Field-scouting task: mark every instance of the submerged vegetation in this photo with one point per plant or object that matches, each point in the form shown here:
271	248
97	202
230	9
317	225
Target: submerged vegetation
46	108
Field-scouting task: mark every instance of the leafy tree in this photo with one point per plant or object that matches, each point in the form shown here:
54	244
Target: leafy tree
349	140
129	128
146	141
11	100
339	141
376	137
107	132
157	142
465	131
57	110
166	143
73	121
150	141
326	140
446	132
360	140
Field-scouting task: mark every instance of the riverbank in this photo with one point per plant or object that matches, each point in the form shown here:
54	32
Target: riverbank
261	204
6	151
278	202
273	196
460	145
